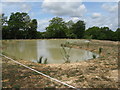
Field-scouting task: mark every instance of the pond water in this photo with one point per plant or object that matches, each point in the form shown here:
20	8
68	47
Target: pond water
51	49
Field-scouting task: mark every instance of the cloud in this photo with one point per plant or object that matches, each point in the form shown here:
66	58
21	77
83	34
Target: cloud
0	8
12	0
104	21
25	8
64	8
42	24
96	15
110	7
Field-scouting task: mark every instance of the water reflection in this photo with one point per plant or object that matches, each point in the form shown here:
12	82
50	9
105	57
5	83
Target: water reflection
50	49
21	49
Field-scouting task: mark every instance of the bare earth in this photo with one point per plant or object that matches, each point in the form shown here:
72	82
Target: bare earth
100	72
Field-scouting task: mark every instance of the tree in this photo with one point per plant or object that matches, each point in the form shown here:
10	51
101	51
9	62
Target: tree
18	22
32	29
92	32
103	33
5	28
4	20
109	34
5	32
56	28
69	32
78	29
117	34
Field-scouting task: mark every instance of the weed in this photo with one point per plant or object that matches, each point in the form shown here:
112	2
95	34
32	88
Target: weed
45	61
94	56
100	50
40	59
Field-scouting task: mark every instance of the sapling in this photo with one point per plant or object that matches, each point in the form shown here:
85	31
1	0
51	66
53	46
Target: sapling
94	56
40	59
100	50
45	61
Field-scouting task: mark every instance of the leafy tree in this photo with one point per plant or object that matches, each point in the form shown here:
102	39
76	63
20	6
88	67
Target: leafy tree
21	26
32	31
56	28
78	29
5	32
69	32
18	21
107	33
117	34
103	33
5	28
4	20
93	32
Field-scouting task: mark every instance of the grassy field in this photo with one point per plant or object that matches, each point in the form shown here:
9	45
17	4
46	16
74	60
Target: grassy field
99	72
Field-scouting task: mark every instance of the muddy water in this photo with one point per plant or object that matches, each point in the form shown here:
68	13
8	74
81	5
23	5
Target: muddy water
47	49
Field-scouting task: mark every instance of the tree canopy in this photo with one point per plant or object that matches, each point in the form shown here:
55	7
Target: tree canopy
78	29
21	26
56	28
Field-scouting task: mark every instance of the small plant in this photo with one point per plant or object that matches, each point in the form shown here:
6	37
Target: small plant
45	61
40	59
94	56
100	50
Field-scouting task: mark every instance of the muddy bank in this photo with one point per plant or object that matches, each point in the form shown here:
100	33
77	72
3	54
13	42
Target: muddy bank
99	72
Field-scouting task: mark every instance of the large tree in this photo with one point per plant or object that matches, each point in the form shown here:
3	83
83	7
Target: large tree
4	19
69	32
18	22
92	32
33	29
5	28
109	34
103	33
78	29
117	34
56	28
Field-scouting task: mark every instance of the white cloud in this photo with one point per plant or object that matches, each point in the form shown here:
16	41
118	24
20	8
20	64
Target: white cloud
60	0
110	7
0	8
64	8
96	15
12	0
42	24
25	8
111	22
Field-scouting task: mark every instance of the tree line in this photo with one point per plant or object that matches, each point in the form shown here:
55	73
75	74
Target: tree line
20	26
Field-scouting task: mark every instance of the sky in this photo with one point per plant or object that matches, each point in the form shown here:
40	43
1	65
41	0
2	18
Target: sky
92	13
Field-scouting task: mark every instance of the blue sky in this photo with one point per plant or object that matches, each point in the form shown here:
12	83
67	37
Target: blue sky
93	13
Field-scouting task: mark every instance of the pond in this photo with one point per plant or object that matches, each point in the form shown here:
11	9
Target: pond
47	49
